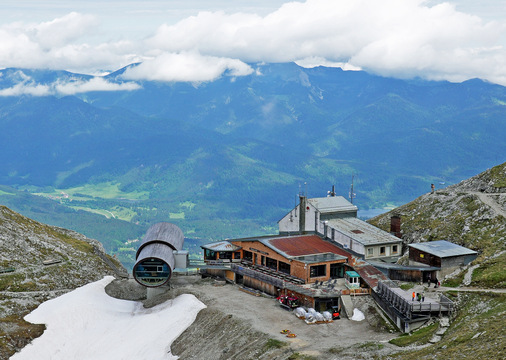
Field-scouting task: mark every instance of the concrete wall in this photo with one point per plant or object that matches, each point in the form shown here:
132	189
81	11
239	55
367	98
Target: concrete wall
347	242
290	222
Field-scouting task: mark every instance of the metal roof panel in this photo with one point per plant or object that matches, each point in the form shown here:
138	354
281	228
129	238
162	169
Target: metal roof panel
332	204
443	248
362	232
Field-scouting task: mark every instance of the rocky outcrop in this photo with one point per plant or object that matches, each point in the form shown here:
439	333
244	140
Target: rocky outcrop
37	263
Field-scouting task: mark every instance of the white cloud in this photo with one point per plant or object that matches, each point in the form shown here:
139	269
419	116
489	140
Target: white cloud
314	61
64	30
400	38
186	66
27	86
26	89
94	84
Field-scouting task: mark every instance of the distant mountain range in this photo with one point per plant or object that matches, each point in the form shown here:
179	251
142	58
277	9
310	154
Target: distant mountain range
226	158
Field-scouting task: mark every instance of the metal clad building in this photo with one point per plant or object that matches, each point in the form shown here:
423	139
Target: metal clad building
442	254
155	259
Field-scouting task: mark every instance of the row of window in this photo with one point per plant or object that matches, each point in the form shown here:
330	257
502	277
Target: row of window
383	251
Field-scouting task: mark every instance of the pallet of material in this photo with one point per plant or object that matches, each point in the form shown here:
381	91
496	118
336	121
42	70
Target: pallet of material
319	322
51	262
7	270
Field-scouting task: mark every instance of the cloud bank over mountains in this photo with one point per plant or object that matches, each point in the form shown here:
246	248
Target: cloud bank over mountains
398	38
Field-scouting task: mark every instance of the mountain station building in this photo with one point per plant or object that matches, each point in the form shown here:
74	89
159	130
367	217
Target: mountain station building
322	255
335	218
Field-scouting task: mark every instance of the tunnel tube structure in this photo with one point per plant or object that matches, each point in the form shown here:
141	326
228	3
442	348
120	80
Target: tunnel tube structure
154	261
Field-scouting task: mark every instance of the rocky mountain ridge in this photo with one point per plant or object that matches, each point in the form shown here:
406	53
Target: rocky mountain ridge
37	263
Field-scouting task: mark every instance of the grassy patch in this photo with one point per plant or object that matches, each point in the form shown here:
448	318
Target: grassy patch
75	243
106	190
336	350
497	173
188	204
407	286
9	282
179	215
454	282
274	344
419	337
491	273
16	332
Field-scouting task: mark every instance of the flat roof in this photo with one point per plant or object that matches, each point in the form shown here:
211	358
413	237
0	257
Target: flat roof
442	248
361	231
332	204
352	274
221	246
311	259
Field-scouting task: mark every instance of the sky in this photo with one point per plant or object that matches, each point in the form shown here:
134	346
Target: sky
121	329
201	40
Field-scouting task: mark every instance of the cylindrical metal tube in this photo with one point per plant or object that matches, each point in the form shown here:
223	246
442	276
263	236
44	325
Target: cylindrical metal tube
155	259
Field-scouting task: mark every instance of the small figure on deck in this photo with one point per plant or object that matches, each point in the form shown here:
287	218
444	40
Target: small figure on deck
428	282
423	296
436	282
432	187
413	296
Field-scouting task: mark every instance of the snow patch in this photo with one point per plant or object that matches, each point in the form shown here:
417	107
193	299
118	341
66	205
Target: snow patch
357	315
88	324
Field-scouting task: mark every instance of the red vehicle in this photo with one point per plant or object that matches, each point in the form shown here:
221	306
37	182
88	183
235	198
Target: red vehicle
288	302
335	312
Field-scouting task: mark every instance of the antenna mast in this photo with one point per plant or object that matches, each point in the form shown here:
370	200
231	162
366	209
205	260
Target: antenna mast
352	194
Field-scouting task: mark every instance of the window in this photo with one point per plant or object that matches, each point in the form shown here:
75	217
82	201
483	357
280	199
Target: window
318	270
394	249
271	263
237	255
382	250
247	255
225	255
284	267
370	252
210	255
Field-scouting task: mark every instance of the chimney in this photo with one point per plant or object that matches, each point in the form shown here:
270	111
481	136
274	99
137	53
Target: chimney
395	226
302	214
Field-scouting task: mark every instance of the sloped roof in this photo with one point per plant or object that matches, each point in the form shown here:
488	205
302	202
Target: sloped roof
443	249
370	274
362	232
302	245
221	246
332	204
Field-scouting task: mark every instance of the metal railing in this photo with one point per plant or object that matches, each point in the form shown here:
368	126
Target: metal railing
412	308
